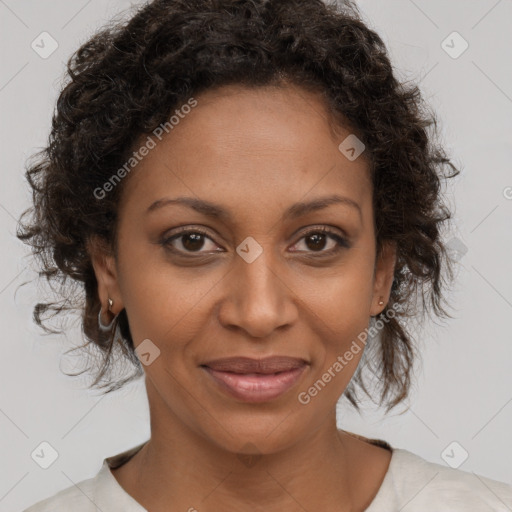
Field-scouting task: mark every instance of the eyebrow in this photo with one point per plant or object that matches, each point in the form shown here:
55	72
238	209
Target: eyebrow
210	209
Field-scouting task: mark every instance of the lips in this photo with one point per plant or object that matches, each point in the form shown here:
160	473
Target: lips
265	366
255	380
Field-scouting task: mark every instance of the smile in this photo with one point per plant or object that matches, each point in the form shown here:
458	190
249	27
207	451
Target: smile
255	386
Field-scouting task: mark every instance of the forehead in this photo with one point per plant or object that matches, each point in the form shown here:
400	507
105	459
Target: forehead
265	142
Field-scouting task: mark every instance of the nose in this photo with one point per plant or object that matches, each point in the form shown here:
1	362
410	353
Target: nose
258	299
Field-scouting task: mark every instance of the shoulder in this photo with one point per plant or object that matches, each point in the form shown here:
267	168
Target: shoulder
78	498
419	485
102	492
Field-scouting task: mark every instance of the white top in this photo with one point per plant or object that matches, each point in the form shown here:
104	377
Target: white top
411	484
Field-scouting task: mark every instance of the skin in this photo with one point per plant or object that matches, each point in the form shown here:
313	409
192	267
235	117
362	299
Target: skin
255	152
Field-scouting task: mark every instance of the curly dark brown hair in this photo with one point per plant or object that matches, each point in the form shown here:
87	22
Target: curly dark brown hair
127	79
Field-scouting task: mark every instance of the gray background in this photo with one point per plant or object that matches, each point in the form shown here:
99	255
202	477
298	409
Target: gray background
463	390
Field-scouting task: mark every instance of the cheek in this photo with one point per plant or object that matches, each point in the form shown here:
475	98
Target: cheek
165	304
339	312
342	300
340	329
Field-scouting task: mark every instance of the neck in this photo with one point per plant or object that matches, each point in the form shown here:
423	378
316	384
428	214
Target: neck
324	470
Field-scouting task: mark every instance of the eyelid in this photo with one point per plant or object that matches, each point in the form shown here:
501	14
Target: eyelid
305	230
322	228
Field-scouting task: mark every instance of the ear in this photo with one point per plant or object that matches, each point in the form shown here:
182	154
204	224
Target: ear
103	262
383	277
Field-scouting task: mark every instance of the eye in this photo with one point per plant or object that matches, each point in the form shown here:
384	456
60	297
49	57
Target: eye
316	239
193	240
189	241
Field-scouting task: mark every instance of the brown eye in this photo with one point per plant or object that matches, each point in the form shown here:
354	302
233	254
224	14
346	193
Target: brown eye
192	241
316	240
189	241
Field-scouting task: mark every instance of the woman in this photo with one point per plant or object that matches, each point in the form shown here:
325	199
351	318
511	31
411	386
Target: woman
251	202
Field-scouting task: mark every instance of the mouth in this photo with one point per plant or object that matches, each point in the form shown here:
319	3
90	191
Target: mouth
255	380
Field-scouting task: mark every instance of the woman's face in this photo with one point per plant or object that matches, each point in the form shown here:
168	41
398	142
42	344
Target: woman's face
260	280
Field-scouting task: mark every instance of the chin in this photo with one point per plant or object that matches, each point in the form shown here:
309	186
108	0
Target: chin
256	433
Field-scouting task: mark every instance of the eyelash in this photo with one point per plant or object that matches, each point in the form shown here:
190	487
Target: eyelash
342	243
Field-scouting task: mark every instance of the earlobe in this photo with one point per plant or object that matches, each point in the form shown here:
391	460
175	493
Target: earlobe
384	274
103	262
